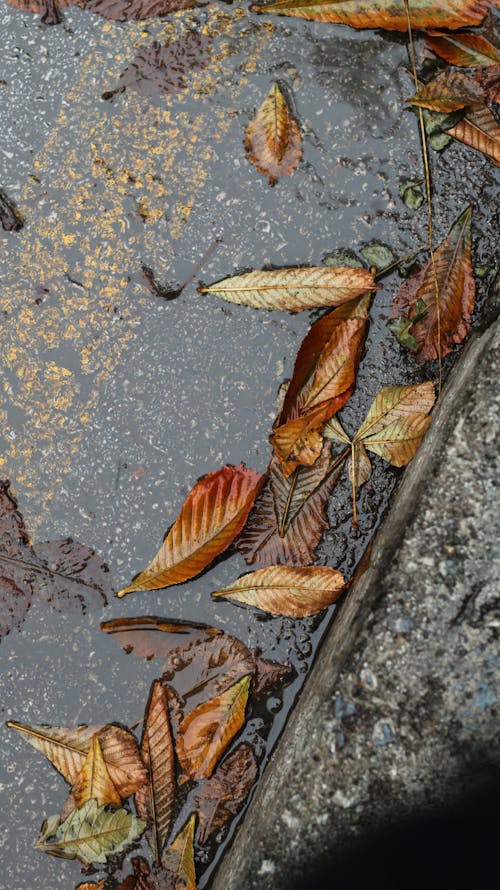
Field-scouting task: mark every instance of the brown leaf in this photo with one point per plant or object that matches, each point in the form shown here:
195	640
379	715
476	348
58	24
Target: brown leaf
95	780
206	731
139	879
322	382
155	800
48	10
178	860
290	515
64	574
489	80
465	49
203	669
387	14
480	130
449	91
10	218
282	590
268	674
222	796
272	138
211	517
67	750
152	637
456	293
165	68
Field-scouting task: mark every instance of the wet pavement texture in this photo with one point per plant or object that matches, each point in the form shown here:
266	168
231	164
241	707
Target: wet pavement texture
113	401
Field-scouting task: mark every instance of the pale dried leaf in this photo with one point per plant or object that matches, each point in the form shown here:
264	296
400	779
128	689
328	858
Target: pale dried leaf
292	592
272	139
95	780
479	129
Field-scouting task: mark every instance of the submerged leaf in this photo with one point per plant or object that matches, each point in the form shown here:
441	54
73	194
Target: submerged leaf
456	293
222	796
411	193
152	637
268	674
126	10
165	68
178	860
155	800
343	257
90	834
378	255
387	14
489	80
206	731
449	91
272	138
95	780
139	879
48	10
10	218
292	592
480	130
211	517
294	289
465	49
397	421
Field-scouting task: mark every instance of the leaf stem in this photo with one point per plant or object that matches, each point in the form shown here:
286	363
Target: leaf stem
425	156
353	485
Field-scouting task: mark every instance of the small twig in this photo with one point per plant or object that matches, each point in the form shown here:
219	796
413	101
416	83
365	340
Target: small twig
353	486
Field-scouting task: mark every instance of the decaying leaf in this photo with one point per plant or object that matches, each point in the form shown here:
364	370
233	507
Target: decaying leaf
397	421
138	880
10	218
272	139
456	293
411	193
63	573
268	674
48	10
489	80
95	780
290	515
378	255
90	834
126	10
178	860
294	289
282	590
206	669
155	799
465	49
211	517
152	637
387	14
221	797
480	130
323	380
165	68
206	731
67	750
449	91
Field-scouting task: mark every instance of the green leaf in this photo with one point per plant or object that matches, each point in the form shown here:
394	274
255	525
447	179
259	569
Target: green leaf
377	255
401	329
343	257
90	834
411	194
439	141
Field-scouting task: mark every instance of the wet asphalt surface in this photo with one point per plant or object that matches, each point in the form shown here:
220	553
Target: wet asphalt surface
113	402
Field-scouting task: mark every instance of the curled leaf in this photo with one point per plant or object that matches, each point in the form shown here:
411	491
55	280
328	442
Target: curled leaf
292	592
272	139
223	795
465	49
480	130
211	517
449	91
294	289
178	860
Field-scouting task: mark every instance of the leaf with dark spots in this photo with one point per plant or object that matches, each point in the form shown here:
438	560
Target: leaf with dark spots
63	573
10	218
48	10
289	517
222	796
268	674
165	68
150	637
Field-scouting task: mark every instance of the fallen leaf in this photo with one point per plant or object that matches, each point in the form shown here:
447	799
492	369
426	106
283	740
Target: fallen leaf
204	669
166	68
272	138
449	91
489	80
456	293
268	674
10	218
139	879
359	467
90	834
378	255
206	731
178	860
465	49
282	590
67	750
436	123
221	797
411	193
397	421
152	637
211	517
480	130
387	14
48	10
155	799
290	515
95	780
293	289
126	10
92	885
343	257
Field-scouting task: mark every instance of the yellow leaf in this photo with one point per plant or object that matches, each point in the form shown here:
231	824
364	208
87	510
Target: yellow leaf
95	780
272	139
178	860
292	592
397	421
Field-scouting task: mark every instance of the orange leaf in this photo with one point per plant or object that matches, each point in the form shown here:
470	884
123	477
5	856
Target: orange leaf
449	91
95	780
456	293
465	50
480	130
212	515
205	732
387	14
272	139
292	592
178	860
47	9
155	800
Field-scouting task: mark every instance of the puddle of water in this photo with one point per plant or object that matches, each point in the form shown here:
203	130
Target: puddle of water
116	401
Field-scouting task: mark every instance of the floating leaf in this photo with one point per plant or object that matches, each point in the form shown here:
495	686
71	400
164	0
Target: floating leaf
221	797
90	834
272	139
449	91
268	674
411	193
155	800
95	780
67	750
480	130
206	731
464	50
377	255
292	592
48	10
456	293
290	515
10	218
178	860
397	421
152	637
211	517
294	289
126	10
206	669
64	574
387	14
